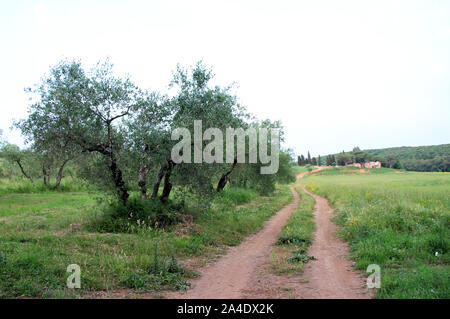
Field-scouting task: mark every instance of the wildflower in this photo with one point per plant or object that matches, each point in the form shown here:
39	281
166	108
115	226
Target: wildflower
148	195
436	254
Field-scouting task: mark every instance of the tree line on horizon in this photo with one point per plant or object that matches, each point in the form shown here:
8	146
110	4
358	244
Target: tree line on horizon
431	158
435	158
302	161
346	158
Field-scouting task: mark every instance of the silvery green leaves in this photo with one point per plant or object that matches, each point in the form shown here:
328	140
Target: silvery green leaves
254	150
197	140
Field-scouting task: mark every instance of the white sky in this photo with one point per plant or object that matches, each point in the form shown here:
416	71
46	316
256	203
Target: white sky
337	73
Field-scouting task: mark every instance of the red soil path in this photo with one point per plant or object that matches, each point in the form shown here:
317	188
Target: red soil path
244	271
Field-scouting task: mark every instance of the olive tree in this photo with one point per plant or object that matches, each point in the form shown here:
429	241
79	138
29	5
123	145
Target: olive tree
197	100
248	175
83	111
148	141
15	155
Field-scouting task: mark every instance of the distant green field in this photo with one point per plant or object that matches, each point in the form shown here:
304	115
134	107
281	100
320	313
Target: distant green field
36	246
396	219
300	169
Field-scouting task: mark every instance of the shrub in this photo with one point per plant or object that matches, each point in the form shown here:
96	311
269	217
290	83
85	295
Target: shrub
293	239
135	280
300	255
137	214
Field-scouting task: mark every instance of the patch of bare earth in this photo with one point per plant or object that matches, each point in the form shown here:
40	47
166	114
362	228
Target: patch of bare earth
234	273
245	271
331	274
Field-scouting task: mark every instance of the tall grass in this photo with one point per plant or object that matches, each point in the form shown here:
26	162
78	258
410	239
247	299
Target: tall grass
235	196
398	220
24	186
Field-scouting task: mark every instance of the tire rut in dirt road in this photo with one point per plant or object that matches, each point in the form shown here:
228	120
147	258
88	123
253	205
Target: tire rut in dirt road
331	274
230	275
244	272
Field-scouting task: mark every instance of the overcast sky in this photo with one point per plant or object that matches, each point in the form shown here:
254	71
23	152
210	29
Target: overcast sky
338	74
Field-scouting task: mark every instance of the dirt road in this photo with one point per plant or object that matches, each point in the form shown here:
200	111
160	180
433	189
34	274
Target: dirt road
331	274
228	277
244	271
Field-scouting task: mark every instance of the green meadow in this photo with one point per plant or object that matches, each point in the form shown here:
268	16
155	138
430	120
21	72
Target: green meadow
396	219
393	218
36	244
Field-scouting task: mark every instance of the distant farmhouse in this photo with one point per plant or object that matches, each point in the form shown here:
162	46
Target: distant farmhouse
376	164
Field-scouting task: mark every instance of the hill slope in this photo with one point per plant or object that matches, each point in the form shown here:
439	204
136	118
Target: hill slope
419	158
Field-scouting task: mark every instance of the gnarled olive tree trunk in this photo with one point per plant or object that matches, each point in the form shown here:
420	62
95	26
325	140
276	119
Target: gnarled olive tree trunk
23	171
60	173
224	179
157	184
141	182
167	184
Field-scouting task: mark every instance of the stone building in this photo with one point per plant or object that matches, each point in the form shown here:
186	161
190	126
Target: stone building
376	164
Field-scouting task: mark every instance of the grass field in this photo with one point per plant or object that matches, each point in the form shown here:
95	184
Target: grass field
300	169
396	219
36	245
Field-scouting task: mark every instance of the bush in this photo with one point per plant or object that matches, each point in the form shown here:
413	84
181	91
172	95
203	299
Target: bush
293	239
300	256
138	214
136	280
